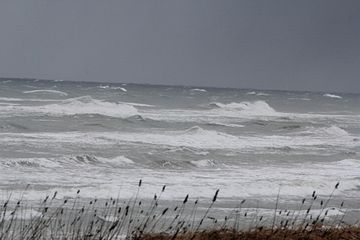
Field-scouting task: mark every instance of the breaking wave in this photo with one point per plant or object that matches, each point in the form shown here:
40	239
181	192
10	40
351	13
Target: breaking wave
30	163
92	160
82	105
112	88
260	108
332	96
328	131
353	163
198	90
203	163
48	91
67	161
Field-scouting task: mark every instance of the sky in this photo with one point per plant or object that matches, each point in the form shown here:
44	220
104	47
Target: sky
260	44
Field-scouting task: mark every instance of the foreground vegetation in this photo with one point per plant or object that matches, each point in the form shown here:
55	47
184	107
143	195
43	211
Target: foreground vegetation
76	218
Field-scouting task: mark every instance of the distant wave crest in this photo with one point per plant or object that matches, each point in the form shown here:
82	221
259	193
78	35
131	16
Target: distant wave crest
332	96
249	108
47	91
86	105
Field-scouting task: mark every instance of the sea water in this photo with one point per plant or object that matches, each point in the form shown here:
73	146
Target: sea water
102	138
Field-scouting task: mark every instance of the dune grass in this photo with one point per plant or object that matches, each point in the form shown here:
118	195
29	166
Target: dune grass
77	218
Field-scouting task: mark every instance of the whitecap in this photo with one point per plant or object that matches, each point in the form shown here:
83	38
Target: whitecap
47	91
118	161
30	163
234	125
82	105
327	131
137	104
203	163
6	99
302	99
262	94
104	86
86	159
332	96
352	163
120	88
260	108
198	90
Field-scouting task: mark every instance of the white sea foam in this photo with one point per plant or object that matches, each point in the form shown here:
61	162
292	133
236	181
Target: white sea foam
263	180
118	161
30	163
137	104
262	94
80	105
203	163
302	99
113	88
6	99
65	161
194	137
47	91
121	88
332	131
258	93
332	96
260	108
352	163
198	90
228	124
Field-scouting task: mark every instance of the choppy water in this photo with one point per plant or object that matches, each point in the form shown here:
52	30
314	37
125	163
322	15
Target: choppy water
102	138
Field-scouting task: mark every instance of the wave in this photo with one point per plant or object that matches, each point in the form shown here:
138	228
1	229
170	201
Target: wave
332	96
327	131
203	163
118	161
67	161
104	87
233	125
9	104
120	88
137	104
353	163
302	99
332	139
30	163
258	93
6	99
113	88
47	91
260	108
82	105
198	90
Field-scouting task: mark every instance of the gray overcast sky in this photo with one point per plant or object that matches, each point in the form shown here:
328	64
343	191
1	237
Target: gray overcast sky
277	44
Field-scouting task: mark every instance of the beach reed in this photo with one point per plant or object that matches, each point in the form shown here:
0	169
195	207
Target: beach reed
141	219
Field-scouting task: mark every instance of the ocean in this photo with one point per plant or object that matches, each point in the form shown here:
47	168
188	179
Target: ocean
101	138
